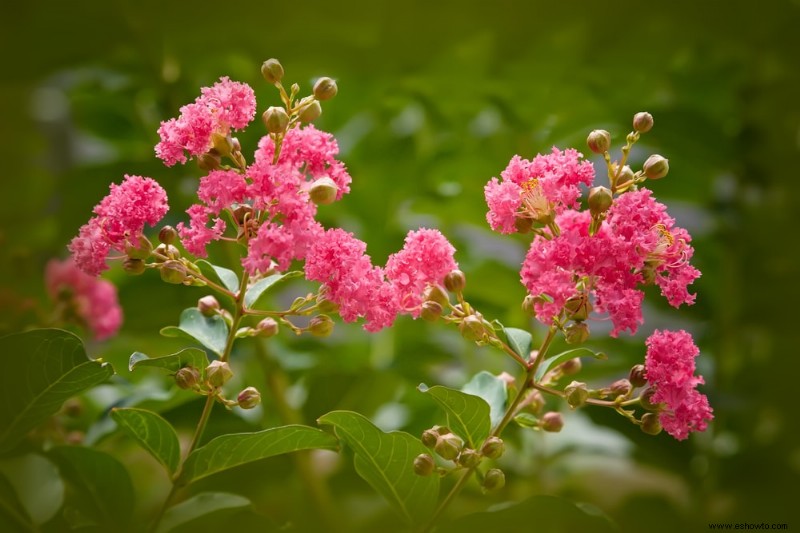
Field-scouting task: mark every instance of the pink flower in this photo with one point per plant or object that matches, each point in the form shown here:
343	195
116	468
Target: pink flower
90	301
670	368
224	106
119	222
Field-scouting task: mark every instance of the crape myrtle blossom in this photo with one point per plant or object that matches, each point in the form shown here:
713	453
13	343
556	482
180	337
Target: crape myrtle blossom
119	222
670	370
90	301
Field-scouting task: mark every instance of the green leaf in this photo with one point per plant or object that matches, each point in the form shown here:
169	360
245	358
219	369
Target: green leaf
153	433
193	357
200	505
548	512
467	415
211	332
527	420
254	297
385	461
223	276
237	449
520	341
41	369
36	484
551	362
102	480
492	390
13	515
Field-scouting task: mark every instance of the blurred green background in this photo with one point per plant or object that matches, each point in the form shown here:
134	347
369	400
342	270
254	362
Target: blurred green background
434	99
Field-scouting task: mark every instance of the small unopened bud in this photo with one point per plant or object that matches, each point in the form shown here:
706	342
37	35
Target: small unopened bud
642	122
599	141
208	305
656	167
275	119
552	422
625	175
646	400
139	250
528	305
431	311
223	144
570	367
435	293
621	387
448	446
173	272
637	376
323	191
576	394
166	251
167	235
493	448
133	266
472	328
469	458
651	424
187	377
429	438
424	465
600	199
320	326
209	161
310	113
268	327
325	89
534	401
218	373
272	70
576	333
578	307
455	281
494	479
249	398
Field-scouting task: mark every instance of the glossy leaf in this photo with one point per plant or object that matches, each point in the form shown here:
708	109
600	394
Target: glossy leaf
492	390
255	296
467	415
385	461
520	341
198	506
41	369
36	485
223	276
211	332
229	451
551	362
193	357
153	433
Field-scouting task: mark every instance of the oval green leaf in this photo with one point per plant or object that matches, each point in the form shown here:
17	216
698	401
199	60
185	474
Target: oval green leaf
520	341
41	369
492	390
551	362
153	433
211	332
220	275
233	450
467	415
198	506
385	461
193	357
255	296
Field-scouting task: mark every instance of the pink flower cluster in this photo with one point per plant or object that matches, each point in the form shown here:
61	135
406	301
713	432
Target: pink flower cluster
119	221
338	260
536	190
224	106
93	301
636	244
670	369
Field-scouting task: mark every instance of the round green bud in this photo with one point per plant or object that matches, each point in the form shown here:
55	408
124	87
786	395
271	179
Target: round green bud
208	305
141	250
325	89
472	328
578	307
551	422
448	446
621	387
435	293
656	167
323	191
650	424
272	70
164	252
173	272
209	161
494	480
429	438
187	377
570	367
321	326
576	394
637	376
642	122
275	119
455	281
600	200
599	141
625	175
646	400
424	465
576	333
431	311
218	373
268	327
249	398
167	235
310	113
493	448
133	266
469	458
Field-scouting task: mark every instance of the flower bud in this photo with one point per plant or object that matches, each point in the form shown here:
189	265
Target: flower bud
325	89
552	422
424	465
494	479
166	251
528	305
455	281
646	400
275	119
578	307
323	191
435	293
469	458
324	304
534	401
600	199
209	161
187	377
141	250
650	424
429	437
431	311
173	272
625	175
576	333
167	235
493	448
576	394
471	328
218	373
621	387
249	398
448	446
268	327
133	266
599	141
321	326
642	122
570	367
637	376
656	167
208	305
272	70
310	113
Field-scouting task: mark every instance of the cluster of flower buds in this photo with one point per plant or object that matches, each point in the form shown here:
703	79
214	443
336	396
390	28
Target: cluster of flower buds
210	381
